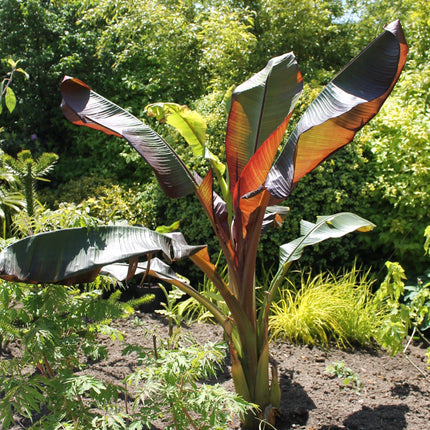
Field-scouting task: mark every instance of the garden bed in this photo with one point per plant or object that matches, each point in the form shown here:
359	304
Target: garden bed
394	395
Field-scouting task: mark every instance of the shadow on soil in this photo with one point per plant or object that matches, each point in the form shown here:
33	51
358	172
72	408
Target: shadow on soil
386	417
296	405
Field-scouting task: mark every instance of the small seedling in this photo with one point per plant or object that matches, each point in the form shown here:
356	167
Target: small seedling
350	378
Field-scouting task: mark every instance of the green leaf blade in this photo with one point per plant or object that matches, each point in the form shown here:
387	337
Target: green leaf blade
190	124
326	227
77	255
10	99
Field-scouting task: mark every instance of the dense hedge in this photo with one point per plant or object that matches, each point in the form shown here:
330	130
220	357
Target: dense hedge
187	52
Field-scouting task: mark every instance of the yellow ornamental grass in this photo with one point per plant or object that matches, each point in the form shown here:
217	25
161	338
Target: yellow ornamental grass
327	308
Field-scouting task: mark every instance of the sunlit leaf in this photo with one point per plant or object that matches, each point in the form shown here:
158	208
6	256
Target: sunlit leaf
77	255
190	124
345	105
326	227
27	76
259	107
10	99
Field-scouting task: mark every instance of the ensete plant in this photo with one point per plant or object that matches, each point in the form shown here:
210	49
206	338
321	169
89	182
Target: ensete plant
248	201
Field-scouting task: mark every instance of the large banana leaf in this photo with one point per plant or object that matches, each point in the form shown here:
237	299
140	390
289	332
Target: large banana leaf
326	227
77	255
345	105
261	106
82	106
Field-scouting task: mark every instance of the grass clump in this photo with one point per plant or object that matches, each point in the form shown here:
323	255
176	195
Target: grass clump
328	308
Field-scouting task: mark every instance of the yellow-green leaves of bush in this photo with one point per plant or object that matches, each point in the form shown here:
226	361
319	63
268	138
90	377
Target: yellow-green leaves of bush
327	308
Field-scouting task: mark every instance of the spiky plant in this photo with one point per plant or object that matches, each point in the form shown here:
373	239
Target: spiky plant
30	170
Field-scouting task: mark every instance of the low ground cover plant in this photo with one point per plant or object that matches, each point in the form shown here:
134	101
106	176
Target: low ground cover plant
350	378
58	330
248	201
166	387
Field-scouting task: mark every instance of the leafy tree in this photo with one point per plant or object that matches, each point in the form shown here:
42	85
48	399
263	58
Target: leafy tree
312	29
52	42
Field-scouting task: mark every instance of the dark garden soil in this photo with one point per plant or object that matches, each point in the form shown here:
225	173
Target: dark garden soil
394	395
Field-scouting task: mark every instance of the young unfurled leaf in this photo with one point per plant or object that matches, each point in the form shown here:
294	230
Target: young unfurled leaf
190	124
168	228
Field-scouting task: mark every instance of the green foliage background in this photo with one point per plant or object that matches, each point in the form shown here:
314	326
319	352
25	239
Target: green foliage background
138	52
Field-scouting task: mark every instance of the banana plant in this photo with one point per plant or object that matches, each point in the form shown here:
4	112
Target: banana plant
260	175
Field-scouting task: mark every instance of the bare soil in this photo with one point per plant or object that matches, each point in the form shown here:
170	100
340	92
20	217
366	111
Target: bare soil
394	395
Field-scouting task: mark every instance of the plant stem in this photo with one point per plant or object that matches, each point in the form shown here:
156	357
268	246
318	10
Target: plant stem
154	343
410	339
424	374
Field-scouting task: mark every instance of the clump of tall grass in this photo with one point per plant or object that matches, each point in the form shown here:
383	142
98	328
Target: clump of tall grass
327	308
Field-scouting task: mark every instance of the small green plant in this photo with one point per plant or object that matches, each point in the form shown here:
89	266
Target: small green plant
30	170
57	328
408	310
350	378
12	201
172	309
166	388
327	308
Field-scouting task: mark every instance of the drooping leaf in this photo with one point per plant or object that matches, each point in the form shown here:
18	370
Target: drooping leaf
259	107
77	255
84	107
157	269
326	227
10	99
346	104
